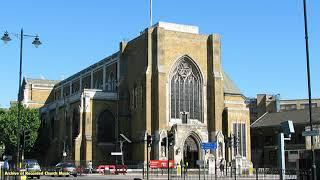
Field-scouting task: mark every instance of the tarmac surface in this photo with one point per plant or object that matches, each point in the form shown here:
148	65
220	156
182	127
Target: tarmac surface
159	177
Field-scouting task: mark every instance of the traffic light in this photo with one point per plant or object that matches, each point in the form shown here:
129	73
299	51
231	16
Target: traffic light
149	140
164	142
171	139
228	142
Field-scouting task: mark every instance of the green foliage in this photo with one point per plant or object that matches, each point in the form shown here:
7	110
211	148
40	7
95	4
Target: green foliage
29	123
2	111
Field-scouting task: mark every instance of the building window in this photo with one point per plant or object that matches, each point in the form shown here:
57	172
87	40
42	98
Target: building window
288	107
239	130
306	106
111	83
186	90
106	127
75	124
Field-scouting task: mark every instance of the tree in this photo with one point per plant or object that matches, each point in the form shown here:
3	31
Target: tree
29	124
2	111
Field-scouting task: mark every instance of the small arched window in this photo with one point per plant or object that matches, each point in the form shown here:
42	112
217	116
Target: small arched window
75	124
111	83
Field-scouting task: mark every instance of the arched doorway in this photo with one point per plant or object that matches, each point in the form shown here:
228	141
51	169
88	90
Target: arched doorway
191	152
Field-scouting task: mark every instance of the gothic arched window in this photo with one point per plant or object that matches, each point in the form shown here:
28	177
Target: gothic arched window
186	90
106	126
111	83
75	123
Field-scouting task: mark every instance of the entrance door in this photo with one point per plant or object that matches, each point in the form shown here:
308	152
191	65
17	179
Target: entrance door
191	152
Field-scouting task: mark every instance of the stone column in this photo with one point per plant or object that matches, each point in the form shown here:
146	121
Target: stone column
80	84
61	92
104	78
88	127
78	139
70	92
216	86
91	80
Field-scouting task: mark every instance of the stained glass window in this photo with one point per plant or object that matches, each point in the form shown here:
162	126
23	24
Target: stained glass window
186	90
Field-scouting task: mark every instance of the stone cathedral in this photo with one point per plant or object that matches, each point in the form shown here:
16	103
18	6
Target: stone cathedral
168	79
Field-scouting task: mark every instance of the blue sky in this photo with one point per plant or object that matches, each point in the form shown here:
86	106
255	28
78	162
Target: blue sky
263	47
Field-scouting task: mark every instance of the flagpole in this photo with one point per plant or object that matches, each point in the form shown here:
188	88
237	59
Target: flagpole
150	13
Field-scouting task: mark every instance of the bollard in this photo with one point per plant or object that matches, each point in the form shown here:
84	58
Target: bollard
226	170
257	175
215	170
143	171
178	169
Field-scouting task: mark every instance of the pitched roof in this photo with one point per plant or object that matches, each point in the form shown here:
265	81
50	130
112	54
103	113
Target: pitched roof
93	66
229	86
300	116
41	81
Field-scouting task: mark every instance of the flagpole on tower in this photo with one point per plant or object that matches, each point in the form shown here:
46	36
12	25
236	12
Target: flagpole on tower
150	13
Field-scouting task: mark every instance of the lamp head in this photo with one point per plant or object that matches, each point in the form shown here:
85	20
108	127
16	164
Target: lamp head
36	42
6	38
287	127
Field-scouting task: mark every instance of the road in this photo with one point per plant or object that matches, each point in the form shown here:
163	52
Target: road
160	177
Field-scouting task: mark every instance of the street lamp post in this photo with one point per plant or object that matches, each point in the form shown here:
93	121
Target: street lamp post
36	42
117	84
314	172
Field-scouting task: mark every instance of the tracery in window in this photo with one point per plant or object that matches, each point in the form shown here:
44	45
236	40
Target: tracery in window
239	130
186	90
111	83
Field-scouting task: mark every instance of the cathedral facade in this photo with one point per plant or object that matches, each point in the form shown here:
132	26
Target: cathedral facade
168	79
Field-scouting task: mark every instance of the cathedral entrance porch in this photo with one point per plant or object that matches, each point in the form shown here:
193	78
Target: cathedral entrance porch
191	152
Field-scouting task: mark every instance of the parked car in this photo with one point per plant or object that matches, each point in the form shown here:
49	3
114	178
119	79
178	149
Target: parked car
67	167
31	165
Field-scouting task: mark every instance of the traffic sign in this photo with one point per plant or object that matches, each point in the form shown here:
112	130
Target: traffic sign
209	145
311	133
200	162
116	153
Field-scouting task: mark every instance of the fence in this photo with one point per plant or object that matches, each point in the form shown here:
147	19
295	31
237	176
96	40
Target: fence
139	169
228	173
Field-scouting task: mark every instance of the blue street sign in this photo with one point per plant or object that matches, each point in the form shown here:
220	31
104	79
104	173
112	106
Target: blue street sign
209	145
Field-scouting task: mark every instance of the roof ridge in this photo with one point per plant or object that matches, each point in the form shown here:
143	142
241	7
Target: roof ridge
259	118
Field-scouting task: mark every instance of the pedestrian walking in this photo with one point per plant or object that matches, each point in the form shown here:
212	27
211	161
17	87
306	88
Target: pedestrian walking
90	167
186	168
221	166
